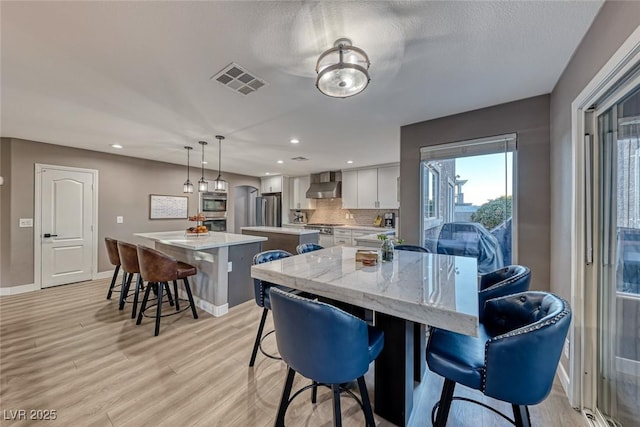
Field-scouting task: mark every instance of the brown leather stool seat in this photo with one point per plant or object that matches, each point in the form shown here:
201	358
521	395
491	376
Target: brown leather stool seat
129	259
114	259
159	268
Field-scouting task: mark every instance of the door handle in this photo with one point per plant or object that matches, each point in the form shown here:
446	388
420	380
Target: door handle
50	235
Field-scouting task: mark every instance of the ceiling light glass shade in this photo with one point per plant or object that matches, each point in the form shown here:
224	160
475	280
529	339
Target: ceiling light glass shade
220	184
342	70
202	185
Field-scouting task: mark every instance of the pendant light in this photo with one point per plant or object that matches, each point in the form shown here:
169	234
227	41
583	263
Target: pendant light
188	186
220	184
202	184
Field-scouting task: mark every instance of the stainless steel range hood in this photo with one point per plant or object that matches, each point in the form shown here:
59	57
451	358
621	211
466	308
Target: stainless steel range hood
325	185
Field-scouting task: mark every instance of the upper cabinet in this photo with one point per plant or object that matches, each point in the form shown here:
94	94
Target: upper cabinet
350	189
271	184
372	188
298	187
389	187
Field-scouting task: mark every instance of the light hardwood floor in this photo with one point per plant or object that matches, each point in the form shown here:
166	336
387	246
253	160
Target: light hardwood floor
69	349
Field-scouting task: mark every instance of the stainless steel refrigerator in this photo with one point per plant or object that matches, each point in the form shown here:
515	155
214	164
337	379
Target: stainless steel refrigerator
269	210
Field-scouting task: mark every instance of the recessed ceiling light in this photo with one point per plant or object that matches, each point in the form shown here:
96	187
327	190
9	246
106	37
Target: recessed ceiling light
204	162
267	173
295	141
116	146
349	161
280	161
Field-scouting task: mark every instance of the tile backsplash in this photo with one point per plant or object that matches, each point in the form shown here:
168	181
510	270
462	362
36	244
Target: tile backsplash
329	211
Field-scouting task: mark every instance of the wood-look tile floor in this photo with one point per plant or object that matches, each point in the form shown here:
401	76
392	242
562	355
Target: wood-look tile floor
70	350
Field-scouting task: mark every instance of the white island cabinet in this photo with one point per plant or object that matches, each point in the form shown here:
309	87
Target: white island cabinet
223	261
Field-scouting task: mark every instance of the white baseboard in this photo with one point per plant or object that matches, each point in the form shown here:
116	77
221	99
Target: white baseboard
103	275
15	290
214	310
564	379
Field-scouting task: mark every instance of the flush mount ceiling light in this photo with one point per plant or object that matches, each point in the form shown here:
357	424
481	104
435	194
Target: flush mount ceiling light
202	184
342	70
220	184
188	186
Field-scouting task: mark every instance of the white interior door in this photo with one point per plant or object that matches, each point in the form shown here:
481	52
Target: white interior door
66	226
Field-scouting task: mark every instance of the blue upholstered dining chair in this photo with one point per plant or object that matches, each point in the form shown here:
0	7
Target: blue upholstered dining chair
326	345
412	248
504	281
514	359
261	291
303	248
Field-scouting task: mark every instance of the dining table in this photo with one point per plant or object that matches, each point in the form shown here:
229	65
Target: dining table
412	291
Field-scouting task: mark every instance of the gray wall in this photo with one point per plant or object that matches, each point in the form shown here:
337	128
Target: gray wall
611	27
529	118
124	187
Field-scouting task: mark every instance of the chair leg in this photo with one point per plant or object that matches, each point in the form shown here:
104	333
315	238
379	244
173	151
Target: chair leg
169	296
124	292
159	307
258	336
445	402
366	403
521	416
337	415
314	392
187	287
145	299
113	281
175	292
284	401
135	296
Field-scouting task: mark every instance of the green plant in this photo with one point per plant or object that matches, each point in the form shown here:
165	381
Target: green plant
382	237
493	212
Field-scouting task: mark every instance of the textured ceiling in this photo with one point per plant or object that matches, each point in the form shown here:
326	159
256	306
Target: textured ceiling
90	74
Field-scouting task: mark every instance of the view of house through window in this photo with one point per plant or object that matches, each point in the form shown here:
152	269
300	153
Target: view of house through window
467	194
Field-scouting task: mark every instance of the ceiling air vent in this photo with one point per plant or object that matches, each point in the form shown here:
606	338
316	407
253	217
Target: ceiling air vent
238	79
299	159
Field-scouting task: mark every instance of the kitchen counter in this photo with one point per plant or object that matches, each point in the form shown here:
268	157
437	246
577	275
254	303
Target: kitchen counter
283	238
223	261
280	230
197	242
365	227
372	240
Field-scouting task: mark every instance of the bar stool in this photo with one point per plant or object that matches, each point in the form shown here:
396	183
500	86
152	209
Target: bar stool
129	259
114	259
159	268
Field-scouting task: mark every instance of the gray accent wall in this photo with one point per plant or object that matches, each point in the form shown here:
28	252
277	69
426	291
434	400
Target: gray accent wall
612	26
124	186
529	119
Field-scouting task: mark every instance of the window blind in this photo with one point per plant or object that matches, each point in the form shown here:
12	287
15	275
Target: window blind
475	147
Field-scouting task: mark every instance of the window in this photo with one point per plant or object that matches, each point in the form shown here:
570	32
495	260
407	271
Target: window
430	185
467	194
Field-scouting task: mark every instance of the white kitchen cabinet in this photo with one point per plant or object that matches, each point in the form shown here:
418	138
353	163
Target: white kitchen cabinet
341	237
355	234
271	184
298	187
371	188
388	183
350	189
367	188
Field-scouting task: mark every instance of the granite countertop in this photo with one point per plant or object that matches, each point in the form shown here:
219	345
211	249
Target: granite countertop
365	227
199	242
280	230
432	289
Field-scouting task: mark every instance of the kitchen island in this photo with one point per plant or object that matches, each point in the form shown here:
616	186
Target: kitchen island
283	238
223	261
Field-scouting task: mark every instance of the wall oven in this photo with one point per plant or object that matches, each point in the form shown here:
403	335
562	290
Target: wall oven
215	224
213	204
